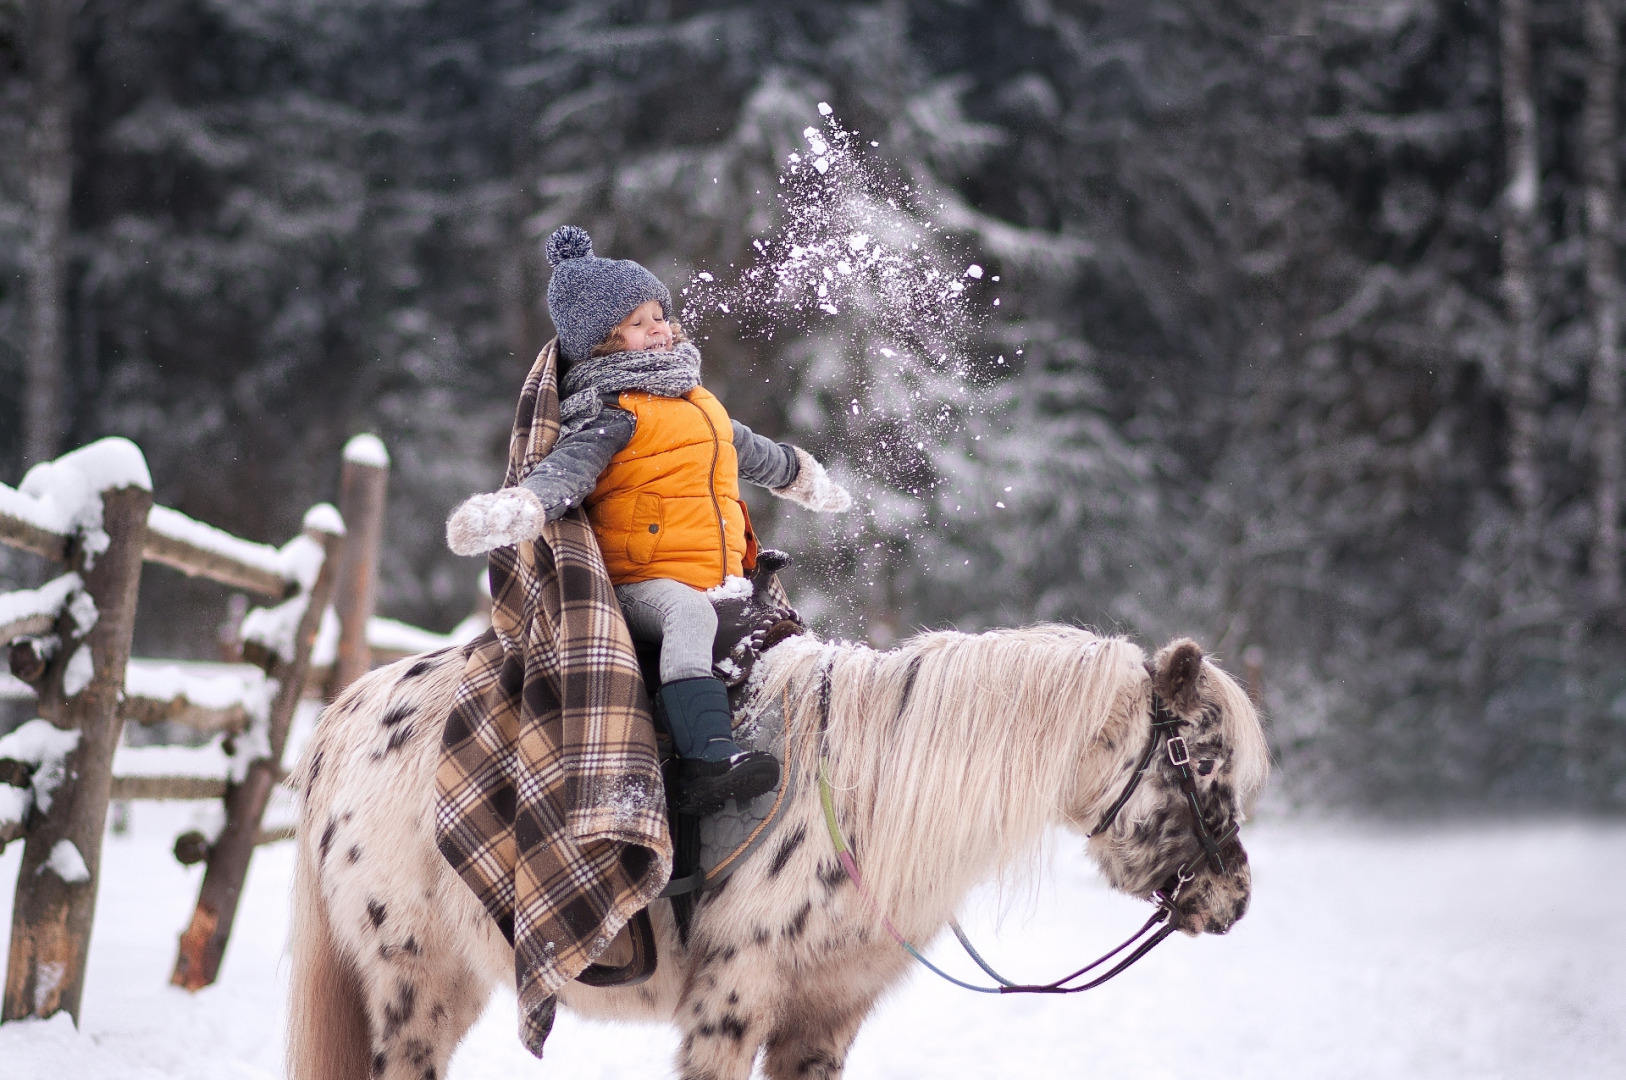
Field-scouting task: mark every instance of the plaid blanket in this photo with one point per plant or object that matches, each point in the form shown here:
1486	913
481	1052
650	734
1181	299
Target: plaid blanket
548	795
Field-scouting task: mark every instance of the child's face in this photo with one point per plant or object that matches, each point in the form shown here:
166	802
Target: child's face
646	328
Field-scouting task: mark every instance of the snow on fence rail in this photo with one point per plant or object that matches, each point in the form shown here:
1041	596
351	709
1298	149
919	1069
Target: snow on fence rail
91	510
200	550
27	612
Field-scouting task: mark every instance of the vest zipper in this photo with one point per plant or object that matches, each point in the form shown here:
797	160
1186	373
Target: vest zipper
711	486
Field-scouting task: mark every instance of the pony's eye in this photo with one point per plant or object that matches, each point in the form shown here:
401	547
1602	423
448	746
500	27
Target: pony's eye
1205	766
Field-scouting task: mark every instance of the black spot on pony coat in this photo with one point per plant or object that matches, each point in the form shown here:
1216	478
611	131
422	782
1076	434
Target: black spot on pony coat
798	922
422	667
398	738
787	848
421	1055
398	1012
396	714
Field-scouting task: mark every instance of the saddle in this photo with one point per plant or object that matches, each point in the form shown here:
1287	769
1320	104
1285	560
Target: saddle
705	850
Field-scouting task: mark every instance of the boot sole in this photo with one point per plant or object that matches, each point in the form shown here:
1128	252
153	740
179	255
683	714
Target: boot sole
750	780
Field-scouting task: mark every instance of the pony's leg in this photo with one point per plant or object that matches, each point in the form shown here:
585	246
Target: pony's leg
421	948
812	1038
719	1015
419	1010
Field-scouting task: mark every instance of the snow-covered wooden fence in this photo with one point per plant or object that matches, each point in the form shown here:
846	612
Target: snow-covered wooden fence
69	640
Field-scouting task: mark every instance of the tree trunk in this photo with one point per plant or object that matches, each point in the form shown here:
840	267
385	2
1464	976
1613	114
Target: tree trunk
49	168
522	284
1520	200
1603	290
51	922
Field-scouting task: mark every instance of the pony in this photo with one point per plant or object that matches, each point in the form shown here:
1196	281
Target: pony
946	761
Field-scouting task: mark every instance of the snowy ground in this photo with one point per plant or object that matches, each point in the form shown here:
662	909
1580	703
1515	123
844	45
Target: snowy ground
1371	951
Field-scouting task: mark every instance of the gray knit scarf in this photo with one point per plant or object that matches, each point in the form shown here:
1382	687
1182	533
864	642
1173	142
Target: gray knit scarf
664	374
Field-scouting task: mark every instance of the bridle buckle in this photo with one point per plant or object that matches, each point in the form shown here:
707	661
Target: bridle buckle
1178	754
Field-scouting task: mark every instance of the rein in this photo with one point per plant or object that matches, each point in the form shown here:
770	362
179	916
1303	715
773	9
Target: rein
1006	986
1163	723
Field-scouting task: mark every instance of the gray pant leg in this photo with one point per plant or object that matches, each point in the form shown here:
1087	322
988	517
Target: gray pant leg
679	617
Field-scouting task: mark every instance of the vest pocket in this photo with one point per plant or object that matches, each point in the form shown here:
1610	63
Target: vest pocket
647	525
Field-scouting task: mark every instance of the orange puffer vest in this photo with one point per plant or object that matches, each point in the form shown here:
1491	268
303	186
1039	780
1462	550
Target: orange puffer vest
668	504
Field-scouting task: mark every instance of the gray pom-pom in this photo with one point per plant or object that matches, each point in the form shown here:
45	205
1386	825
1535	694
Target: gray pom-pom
568	242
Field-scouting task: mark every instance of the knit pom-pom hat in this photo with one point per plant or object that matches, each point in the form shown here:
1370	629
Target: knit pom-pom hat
588	296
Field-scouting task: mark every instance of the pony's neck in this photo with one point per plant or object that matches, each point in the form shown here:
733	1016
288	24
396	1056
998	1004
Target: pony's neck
952	755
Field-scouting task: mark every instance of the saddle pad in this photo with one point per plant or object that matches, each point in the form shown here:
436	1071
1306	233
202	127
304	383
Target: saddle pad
730	835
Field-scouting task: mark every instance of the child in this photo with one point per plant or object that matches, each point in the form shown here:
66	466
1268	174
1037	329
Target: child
656	462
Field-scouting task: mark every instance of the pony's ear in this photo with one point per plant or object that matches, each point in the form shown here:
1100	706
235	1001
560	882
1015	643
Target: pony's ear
1174	674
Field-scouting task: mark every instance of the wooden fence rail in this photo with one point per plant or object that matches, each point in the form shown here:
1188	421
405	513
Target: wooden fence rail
200	550
362	482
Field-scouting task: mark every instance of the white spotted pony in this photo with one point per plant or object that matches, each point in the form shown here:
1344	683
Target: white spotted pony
947	759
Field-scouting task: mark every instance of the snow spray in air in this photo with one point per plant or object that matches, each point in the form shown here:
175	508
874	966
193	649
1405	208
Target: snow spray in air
875	310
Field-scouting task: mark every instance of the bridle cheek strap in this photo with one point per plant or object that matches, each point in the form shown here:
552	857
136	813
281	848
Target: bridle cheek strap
1164	724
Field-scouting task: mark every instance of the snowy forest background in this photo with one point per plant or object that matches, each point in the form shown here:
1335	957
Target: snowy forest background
1300	333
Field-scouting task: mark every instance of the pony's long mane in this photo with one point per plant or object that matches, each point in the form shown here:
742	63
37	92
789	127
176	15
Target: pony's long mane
950	755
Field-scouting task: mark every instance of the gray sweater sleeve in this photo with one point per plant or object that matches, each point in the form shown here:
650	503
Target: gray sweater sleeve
568	475
762	461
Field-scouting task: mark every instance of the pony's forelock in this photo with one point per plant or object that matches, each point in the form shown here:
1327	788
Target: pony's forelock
1244	734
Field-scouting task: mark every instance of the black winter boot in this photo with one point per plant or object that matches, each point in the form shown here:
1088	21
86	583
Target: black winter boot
711	769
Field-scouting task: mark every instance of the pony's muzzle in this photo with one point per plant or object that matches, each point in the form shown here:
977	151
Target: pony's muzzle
1211	903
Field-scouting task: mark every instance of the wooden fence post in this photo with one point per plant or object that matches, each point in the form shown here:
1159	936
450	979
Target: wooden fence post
56	884
197	962
362	482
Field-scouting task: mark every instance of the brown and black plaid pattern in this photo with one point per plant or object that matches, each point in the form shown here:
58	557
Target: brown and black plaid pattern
548	795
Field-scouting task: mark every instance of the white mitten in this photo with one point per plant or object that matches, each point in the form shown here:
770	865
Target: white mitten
495	519
813	487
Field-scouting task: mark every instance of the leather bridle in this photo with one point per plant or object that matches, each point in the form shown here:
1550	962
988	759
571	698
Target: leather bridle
1164	724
